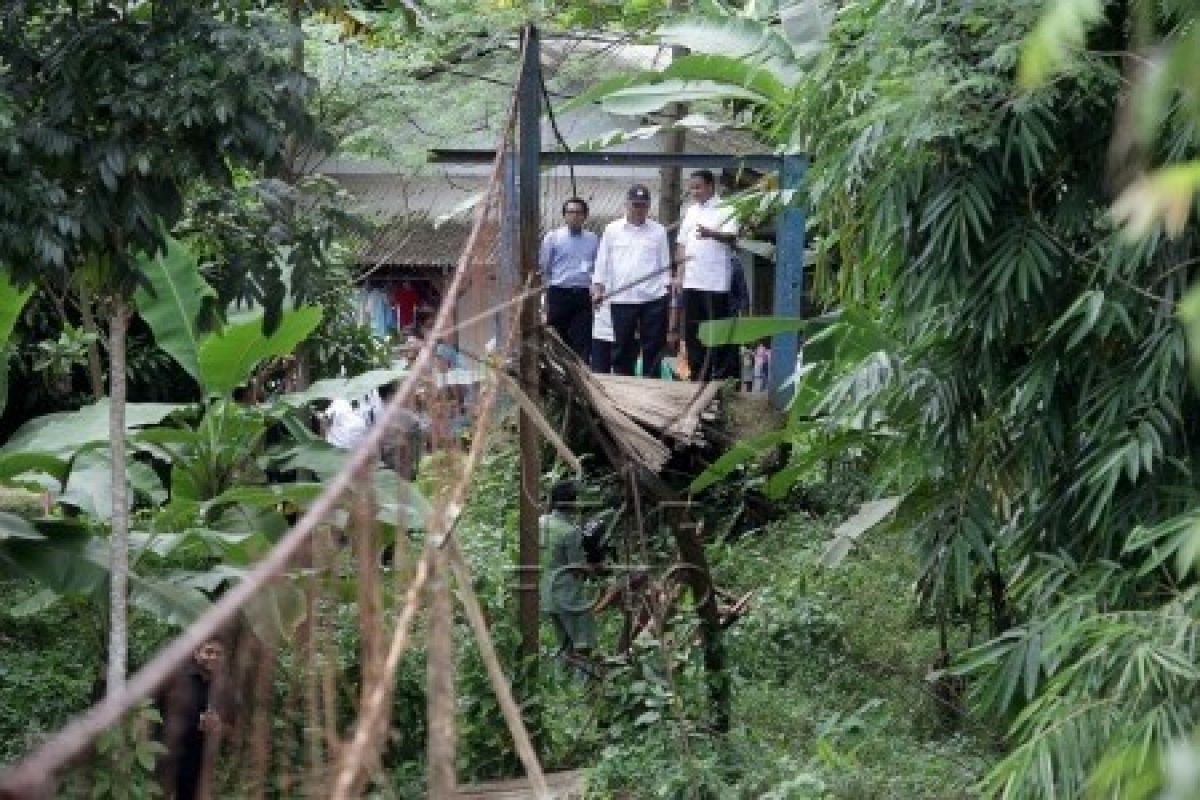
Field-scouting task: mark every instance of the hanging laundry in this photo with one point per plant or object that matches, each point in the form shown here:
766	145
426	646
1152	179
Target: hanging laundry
377	311
405	298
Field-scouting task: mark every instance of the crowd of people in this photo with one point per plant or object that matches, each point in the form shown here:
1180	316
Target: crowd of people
629	303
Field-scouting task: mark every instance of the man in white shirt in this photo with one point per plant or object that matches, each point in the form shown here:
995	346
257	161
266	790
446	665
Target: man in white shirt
633	271
566	259
705	252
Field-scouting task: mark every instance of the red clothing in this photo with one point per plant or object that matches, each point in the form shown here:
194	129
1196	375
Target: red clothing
405	299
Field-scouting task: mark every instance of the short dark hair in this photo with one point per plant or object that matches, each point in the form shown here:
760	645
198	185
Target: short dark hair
705	175
563	494
577	201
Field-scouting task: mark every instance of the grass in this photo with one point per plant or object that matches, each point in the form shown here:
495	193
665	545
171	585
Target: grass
48	668
830	692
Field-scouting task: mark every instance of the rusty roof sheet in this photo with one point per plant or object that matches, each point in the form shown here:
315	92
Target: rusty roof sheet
411	213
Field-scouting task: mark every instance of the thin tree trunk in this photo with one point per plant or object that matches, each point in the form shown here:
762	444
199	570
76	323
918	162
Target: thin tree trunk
670	181
118	633
441	700
292	169
699	579
291	150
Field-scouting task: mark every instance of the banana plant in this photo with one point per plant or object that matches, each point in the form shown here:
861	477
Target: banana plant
837	347
12	302
753	56
202	478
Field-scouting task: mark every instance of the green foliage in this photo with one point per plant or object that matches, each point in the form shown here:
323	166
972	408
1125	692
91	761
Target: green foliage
116	115
65	432
172	303
217	504
744	330
12	301
1030	382
55	359
126	755
751	57
48	662
1159	114
652	97
227	359
1058	37
1016	371
830	690
267	243
849	532
341	345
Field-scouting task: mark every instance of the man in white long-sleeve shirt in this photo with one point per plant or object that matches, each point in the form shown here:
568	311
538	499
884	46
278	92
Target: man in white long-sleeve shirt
633	271
705	251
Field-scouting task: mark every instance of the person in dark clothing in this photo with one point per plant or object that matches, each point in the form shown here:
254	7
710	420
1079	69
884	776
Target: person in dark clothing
739	305
739	292
567	258
191	722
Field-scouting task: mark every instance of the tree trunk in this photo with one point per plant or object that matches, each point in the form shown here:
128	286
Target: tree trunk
698	578
440	667
118	633
670	181
291	150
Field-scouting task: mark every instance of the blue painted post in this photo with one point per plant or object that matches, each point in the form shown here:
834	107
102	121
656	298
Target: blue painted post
789	276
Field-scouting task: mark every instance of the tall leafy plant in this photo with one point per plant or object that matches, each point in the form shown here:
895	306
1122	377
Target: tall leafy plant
217	503
1028	397
1037	374
115	111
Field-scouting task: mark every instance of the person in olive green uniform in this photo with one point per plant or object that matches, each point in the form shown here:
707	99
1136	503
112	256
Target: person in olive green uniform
565	566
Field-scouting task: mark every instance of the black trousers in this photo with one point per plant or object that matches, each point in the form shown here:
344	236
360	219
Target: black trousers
639	328
706	363
602	356
569	312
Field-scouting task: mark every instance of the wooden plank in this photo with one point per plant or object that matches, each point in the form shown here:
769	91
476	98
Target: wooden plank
562	785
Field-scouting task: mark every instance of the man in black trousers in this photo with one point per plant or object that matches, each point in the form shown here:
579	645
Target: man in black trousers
633	272
567	257
705	251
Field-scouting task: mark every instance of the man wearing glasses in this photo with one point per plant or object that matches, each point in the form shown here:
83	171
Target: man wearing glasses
566	259
633	271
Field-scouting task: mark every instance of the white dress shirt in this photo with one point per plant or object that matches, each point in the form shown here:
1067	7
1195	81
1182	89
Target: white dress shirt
634	262
707	262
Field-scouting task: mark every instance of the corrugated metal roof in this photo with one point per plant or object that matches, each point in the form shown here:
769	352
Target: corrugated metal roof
407	212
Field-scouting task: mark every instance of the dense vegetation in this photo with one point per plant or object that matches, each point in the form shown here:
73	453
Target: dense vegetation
1027	395
1011	361
1003	371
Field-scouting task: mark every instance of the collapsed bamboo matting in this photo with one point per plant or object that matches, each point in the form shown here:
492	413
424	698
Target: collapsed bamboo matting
647	418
